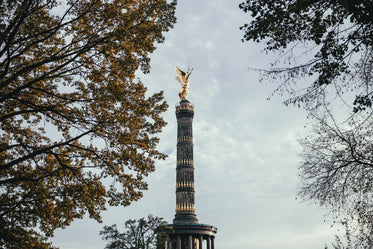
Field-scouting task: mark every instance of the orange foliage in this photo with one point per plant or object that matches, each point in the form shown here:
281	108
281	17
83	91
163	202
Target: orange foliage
72	114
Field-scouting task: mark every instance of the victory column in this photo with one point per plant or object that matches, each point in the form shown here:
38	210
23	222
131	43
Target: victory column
186	232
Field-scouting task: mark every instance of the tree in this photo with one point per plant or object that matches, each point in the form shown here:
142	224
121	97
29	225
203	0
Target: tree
139	234
77	129
337	172
334	37
364	241
327	47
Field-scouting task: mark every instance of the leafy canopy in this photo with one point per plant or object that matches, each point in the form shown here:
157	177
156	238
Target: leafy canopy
337	38
77	130
144	233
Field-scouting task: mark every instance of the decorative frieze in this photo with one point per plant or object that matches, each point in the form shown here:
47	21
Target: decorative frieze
187	106
188	162
185	207
185	139
185	184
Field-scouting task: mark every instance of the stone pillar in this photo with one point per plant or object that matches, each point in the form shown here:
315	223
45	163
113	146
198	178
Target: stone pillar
178	242
208	242
185	210
200	242
190	242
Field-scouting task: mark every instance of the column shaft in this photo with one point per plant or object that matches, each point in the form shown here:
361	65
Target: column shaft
185	208
208	242
200	242
190	242
178	242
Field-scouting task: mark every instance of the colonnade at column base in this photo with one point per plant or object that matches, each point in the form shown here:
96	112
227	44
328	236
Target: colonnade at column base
191	236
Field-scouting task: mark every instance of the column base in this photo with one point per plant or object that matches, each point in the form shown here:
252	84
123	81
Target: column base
185	218
191	236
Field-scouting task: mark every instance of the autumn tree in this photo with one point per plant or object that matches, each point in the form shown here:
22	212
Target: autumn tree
144	233
77	129
325	65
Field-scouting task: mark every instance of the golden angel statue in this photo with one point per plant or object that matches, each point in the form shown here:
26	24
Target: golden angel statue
183	79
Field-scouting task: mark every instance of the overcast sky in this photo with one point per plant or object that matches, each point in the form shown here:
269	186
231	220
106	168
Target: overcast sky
245	147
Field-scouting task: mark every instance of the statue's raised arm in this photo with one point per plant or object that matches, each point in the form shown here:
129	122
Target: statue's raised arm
183	79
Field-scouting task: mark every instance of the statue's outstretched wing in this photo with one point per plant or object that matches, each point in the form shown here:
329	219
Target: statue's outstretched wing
188	73
180	72
178	78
